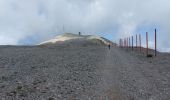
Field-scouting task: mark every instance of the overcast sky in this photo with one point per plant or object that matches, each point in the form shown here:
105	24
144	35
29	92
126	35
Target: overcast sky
24	22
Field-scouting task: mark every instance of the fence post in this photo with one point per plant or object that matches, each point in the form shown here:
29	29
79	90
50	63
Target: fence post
147	43
120	43
129	42
140	42
124	43
136	41
155	43
132	43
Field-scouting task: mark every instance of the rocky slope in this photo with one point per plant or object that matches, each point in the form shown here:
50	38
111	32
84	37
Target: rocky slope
81	69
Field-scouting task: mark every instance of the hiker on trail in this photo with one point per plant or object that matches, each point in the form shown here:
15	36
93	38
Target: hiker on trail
109	46
79	33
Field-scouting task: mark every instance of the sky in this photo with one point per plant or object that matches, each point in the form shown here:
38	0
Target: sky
30	22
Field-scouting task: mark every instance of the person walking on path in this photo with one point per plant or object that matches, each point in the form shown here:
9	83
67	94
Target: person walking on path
109	46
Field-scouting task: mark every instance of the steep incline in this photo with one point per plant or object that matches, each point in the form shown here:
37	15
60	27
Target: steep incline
81	70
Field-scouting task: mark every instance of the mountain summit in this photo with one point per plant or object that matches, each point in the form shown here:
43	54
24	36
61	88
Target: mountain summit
72	37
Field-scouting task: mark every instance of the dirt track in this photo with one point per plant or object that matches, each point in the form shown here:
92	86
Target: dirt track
81	71
135	77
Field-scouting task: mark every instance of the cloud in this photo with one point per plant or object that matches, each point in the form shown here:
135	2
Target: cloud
41	19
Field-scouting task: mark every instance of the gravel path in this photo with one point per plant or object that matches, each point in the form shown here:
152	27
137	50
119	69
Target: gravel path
129	76
83	71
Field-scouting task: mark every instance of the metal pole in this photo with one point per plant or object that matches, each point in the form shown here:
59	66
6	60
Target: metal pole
125	42
147	43
120	43
129	41
140	42
155	43
132	43
136	41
